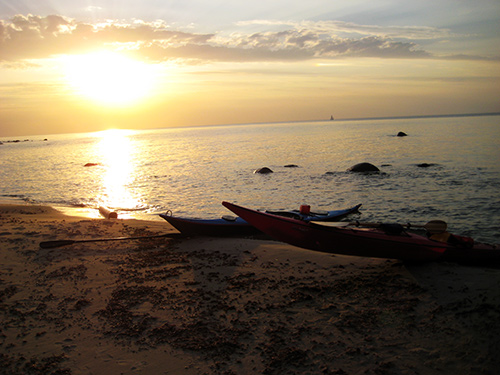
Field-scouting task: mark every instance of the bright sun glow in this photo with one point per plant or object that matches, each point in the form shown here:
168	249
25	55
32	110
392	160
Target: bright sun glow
109	78
117	149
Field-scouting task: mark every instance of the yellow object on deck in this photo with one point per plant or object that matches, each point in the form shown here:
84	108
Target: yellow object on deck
441	237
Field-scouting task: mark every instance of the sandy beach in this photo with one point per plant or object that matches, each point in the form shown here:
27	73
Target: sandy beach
229	305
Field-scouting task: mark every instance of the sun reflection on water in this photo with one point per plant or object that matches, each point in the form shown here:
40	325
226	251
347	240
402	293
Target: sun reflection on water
117	151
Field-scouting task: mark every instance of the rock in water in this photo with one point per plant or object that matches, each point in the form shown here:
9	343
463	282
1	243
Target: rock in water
263	170
425	165
364	167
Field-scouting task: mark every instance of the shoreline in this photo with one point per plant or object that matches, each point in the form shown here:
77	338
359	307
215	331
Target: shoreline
229	305
80	212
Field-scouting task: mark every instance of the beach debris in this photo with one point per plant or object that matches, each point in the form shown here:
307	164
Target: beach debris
91	164
107	213
291	166
402	134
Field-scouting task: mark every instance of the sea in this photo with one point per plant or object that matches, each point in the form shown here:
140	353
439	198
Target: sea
446	168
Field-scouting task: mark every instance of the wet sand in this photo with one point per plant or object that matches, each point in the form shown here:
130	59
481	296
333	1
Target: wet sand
229	306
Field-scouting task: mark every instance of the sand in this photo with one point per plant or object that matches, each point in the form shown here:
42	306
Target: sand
229	306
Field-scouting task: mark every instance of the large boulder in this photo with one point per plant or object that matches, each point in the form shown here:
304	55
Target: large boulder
263	170
364	167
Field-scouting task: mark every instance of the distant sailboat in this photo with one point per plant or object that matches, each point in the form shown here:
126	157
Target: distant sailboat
331	118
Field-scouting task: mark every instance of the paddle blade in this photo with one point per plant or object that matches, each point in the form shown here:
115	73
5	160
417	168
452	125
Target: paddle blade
436	226
54	244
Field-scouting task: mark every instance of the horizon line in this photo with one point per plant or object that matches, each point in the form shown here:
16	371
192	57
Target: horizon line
418	116
344	119
299	121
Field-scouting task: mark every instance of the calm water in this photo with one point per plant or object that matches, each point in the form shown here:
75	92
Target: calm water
190	171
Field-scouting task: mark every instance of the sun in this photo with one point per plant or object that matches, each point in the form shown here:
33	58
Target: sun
109	78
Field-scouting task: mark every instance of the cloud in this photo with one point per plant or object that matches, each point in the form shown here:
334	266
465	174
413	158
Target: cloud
308	44
35	37
349	28
93	8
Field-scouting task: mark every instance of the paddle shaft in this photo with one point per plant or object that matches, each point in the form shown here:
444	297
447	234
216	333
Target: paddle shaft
60	243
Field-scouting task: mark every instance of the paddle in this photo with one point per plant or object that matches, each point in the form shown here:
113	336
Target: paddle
60	243
433	226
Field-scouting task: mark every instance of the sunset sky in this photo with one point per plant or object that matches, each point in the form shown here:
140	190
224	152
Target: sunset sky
88	65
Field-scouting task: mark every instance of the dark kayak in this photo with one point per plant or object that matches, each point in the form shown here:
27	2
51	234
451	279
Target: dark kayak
384	241
235	226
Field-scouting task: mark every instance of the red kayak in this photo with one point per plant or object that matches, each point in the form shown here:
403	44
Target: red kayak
236	226
385	241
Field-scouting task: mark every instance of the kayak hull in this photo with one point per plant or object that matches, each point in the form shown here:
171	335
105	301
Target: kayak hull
211	227
364	242
227	227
